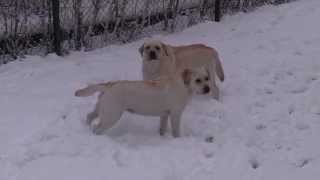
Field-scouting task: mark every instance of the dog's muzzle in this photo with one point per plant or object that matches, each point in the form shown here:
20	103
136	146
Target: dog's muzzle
152	55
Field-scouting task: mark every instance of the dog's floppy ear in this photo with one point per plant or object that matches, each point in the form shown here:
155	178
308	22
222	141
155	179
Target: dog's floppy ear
186	76
141	49
165	49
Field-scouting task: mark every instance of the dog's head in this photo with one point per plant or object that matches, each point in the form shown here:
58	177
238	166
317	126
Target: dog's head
196	80
153	50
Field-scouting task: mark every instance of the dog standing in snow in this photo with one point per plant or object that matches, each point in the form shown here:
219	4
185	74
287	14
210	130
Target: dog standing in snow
156	55
165	97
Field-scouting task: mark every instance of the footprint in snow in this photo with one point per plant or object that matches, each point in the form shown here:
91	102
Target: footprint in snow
302	126
299	90
254	163
209	139
312	78
303	162
260	127
297	53
291	109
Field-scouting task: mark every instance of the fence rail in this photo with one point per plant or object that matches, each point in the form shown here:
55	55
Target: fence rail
44	26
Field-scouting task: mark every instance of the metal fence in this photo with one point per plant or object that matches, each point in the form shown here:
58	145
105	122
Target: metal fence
44	26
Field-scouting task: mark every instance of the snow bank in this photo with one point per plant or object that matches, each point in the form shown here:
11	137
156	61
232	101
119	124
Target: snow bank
267	125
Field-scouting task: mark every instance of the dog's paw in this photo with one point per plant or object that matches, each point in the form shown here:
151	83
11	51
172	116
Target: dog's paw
88	121
215	93
176	134
96	127
162	132
90	117
97	130
215	96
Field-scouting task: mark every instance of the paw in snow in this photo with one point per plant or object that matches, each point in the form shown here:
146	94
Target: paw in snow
97	127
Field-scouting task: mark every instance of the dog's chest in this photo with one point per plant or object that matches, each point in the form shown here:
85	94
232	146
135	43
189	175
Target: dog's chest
150	70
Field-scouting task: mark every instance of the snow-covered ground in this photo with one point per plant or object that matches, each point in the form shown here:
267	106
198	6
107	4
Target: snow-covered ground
266	126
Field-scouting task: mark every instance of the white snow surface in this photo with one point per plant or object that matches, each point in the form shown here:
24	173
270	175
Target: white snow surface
266	125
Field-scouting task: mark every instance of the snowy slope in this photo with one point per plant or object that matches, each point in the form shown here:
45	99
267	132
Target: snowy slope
267	125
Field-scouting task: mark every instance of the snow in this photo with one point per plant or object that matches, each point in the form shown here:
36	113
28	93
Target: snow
266	126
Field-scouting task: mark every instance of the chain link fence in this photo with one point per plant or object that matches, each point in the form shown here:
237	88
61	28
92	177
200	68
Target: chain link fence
25	28
28	26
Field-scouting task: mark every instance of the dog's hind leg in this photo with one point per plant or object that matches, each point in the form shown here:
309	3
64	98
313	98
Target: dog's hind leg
92	115
163	124
107	118
175	124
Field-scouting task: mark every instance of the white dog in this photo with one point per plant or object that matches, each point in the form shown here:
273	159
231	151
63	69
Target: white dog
164	97
160	59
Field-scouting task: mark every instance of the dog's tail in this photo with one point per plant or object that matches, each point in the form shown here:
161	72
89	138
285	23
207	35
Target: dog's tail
91	89
219	68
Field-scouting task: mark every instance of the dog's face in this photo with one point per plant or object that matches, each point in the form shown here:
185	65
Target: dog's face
153	50
197	81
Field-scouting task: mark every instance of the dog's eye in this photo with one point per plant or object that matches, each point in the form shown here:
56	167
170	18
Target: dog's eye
157	48
198	81
148	47
206	78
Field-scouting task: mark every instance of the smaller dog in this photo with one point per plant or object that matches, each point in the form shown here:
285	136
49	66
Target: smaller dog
164	97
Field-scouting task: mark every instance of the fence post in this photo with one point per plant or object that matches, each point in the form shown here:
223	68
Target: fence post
56	27
217	11
78	14
175	12
203	8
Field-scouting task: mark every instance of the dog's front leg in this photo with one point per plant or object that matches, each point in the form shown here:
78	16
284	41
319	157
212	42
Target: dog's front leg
163	124
175	124
91	116
214	87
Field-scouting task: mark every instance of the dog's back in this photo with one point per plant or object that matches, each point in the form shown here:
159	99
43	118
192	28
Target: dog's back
196	55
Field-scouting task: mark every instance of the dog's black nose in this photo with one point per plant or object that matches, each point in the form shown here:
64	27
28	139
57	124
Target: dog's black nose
152	55
206	89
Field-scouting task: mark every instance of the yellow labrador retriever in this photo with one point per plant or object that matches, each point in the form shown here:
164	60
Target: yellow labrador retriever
164	97
154	53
